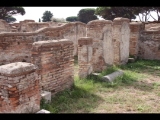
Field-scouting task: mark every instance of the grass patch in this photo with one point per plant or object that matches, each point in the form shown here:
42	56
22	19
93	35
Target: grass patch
135	91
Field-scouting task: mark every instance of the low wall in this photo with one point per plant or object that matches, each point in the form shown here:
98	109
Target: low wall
55	64
16	47
33	26
149	45
4	26
19	88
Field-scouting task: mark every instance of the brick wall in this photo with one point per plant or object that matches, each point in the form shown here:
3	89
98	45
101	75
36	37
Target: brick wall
16	47
149	45
19	88
100	31
4	26
121	37
33	26
54	59
135	31
85	52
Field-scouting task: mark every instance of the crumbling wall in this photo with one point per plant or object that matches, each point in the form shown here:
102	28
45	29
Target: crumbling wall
135	30
154	25
121	37
19	88
16	47
24	25
55	63
110	45
4	26
149	45
85	54
33	26
101	33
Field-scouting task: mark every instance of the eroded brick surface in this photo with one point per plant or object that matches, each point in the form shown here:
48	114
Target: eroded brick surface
85	56
135	31
54	59
19	88
16	47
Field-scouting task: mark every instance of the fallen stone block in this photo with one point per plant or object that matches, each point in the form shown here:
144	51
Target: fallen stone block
46	95
112	76
95	74
131	60
43	111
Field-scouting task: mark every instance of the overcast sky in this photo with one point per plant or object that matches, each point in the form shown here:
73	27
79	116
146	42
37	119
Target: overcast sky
34	13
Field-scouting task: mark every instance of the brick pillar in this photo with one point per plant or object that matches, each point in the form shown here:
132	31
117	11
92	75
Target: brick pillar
101	33
121	34
55	62
19	88
135	29
85	56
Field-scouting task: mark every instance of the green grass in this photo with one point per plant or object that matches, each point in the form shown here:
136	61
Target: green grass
135	91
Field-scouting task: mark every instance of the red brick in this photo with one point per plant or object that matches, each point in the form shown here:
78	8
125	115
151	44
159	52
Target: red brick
12	89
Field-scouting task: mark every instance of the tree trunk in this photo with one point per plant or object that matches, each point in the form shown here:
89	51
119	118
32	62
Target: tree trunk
139	17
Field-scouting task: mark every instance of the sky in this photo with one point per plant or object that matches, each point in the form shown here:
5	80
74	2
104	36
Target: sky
34	13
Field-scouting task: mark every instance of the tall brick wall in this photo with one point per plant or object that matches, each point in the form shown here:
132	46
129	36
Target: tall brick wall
121	37
19	88
135	31
54	59
16	47
85	54
100	31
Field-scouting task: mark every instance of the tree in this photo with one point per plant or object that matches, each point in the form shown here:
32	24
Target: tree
157	10
39	20
6	13
72	18
110	13
10	19
144	13
47	15
86	15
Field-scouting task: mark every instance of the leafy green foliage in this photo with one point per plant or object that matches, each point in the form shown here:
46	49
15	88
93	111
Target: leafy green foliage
110	13
72	18
6	13
91	95
10	19
47	15
86	15
144	13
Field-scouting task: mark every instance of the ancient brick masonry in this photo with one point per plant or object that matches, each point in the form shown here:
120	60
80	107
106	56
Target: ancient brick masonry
16	47
85	56
121	36
135	31
54	59
149	45
19	88
101	32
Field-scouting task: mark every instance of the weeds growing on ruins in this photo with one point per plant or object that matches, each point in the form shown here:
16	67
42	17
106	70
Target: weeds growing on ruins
136	91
